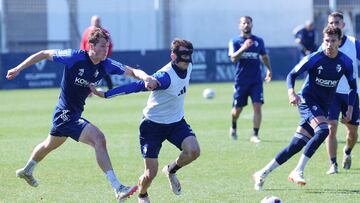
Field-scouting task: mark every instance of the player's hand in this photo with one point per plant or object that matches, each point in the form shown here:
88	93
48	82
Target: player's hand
93	89
268	76
248	43
347	118
294	99
12	73
151	83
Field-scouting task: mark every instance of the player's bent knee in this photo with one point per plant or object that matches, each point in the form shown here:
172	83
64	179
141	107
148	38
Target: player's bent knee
99	139
149	175
193	153
322	130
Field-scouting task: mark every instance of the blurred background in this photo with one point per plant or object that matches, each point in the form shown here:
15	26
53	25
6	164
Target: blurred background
141	32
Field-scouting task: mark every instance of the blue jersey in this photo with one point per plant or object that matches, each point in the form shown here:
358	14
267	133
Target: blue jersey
324	74
307	38
247	68
78	73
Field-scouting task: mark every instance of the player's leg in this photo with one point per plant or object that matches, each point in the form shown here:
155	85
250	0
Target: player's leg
351	139
151	168
190	152
92	136
321	131
331	146
184	139
39	152
351	135
256	122
235	113
151	137
256	94
299	140
239	101
331	141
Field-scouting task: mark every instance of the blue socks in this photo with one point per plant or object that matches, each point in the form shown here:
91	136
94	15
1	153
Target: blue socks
297	143
321	132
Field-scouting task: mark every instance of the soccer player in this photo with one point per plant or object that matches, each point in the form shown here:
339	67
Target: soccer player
305	38
81	68
244	51
95	22
351	47
325	68
164	118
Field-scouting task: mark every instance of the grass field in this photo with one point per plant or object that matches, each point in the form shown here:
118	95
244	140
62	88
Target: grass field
221	174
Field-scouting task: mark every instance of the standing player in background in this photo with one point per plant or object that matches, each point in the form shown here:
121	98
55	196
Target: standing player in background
84	44
351	47
325	68
244	52
305	38
81	68
164	118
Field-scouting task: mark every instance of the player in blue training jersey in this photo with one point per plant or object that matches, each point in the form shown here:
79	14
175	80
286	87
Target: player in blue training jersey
305	38
325	68
245	51
81	69
164	118
351	47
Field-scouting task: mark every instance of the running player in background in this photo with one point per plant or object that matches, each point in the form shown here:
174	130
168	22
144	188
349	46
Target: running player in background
245	51
351	47
81	68
305	38
95	22
325	68
164	118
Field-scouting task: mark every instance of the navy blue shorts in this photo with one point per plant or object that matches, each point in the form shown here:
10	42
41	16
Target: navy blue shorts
242	92
340	104
65	124
152	135
309	110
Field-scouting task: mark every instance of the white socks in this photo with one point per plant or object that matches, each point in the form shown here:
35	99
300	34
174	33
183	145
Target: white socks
270	167
110	175
302	163
29	167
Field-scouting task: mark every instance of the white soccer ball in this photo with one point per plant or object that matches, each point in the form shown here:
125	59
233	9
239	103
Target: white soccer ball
271	199
208	93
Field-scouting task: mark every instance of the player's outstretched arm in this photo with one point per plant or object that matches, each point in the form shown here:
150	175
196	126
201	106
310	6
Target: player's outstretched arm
39	56
150	82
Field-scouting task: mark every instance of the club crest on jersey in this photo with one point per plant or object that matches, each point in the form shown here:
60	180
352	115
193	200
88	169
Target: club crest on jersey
338	67
314	108
81	72
96	73
320	68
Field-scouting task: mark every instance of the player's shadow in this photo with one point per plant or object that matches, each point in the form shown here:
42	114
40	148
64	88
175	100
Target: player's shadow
333	191
276	141
324	191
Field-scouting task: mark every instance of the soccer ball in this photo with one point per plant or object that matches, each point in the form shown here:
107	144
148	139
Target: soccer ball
271	199
208	93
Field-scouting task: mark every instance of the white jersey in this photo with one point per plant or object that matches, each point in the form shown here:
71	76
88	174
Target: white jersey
349	49
167	106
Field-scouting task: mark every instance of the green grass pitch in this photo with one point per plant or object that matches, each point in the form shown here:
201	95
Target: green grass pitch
221	174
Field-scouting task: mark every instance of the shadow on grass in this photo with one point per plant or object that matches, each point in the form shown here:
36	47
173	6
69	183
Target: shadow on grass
276	141
324	191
